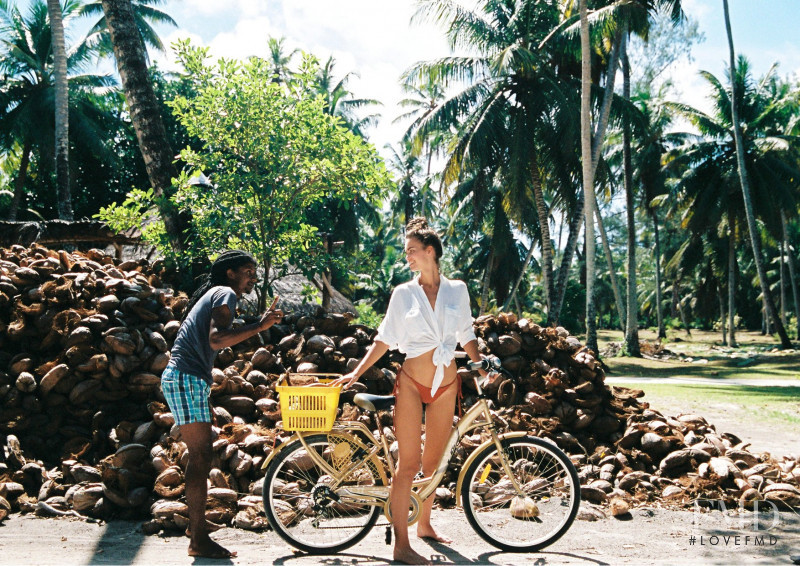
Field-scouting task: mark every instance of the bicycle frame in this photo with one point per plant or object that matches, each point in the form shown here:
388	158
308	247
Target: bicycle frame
477	416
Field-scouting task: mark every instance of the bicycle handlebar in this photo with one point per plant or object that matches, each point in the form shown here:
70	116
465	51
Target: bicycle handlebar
492	363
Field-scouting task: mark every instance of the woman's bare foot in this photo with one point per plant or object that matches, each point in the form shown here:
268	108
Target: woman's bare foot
409	556
429	533
210	549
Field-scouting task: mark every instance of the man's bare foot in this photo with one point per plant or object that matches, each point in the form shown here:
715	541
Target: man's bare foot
408	556
430	534
210	549
210	528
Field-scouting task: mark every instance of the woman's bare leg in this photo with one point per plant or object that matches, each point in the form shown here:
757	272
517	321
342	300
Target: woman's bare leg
409	443
438	423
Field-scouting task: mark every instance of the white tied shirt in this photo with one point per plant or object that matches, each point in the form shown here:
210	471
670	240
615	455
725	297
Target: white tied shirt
414	328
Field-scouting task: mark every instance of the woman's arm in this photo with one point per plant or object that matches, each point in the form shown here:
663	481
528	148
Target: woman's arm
375	353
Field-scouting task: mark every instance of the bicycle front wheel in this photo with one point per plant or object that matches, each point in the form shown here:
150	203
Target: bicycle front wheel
536	515
301	500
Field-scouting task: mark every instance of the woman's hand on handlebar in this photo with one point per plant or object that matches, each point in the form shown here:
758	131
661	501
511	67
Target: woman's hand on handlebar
346	380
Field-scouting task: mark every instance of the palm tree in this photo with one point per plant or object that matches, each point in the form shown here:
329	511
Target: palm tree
279	60
339	100
588	176
145	111
145	14
635	18
405	165
710	195
746	192
651	145
420	102
508	102
59	49
27	108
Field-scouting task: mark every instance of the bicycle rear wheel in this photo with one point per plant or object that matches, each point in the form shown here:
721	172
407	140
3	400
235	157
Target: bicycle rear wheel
300	498
524	521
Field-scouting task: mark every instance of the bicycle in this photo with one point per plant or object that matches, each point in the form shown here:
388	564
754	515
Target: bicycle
325	489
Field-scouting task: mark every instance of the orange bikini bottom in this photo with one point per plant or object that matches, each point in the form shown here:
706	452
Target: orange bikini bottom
425	392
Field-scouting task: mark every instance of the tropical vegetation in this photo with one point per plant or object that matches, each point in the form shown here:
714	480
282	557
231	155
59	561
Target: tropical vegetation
548	114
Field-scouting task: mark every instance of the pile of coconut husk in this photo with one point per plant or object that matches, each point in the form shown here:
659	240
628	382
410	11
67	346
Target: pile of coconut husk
84	427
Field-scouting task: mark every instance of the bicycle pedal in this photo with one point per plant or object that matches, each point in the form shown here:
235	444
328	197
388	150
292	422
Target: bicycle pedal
389	534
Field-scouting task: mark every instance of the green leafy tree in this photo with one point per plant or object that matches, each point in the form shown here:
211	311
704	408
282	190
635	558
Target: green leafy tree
272	156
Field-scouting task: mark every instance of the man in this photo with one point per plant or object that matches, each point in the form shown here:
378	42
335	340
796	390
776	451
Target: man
186	381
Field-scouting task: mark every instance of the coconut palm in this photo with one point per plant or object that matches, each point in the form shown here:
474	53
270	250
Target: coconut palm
746	190
145	13
709	186
27	98
588	176
279	60
339	100
507	99
145	111
59	49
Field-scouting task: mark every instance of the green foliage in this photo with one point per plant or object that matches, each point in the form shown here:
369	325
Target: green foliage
367	316
273	155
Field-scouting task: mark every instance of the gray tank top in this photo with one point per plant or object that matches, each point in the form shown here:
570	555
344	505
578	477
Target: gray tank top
192	352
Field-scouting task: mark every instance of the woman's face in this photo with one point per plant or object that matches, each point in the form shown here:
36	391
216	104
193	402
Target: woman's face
418	255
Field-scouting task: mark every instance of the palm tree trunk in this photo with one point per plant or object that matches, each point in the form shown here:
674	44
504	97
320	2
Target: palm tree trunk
577	219
19	182
782	265
544	228
662	333
792	273
59	48
145	112
732	280
486	276
684	320
608	96
755	239
588	180
721	297
525	263
632	324
566	260
611	269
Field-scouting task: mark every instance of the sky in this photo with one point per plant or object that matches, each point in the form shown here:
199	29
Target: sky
377	40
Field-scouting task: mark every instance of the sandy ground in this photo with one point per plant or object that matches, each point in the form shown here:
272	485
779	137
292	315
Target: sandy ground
649	536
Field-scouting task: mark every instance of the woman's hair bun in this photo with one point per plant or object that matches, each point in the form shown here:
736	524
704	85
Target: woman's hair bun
417	223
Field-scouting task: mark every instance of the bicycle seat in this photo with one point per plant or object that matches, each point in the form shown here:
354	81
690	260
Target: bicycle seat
373	403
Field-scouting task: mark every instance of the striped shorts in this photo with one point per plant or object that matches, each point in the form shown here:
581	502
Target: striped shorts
187	396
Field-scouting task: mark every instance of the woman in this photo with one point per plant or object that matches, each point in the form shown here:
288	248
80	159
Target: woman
425	320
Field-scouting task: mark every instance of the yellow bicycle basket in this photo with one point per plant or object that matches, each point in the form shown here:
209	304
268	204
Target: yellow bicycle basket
309	408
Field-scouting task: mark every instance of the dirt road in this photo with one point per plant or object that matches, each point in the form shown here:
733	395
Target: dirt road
650	536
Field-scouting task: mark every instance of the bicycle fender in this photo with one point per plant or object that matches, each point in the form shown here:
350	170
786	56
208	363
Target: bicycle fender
465	466
277	450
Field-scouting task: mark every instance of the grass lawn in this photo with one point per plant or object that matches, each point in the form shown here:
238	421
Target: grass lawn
755	358
745	403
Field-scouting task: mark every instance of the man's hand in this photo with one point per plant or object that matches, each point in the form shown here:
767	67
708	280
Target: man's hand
346	380
271	316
